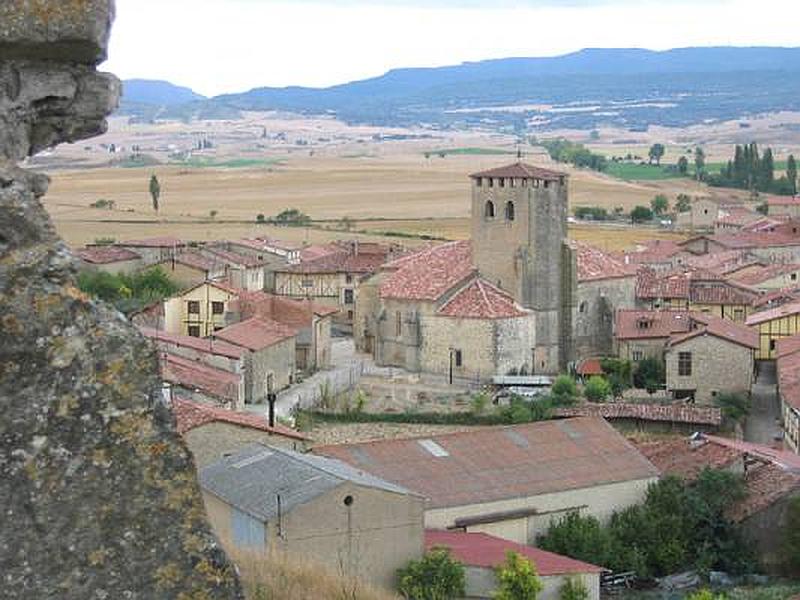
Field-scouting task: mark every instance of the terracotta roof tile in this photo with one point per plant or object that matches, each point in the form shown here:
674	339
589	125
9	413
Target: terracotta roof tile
194	259
725	329
594	264
205	345
353	259
765	273
653	252
776	298
792	308
496	463
429	273
481	300
218	254
190	415
103	255
255	333
484	550
521	170
154	242
667	413
196	375
294	313
783	201
589	366
650	324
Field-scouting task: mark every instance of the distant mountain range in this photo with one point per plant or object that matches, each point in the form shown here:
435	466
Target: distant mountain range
625	87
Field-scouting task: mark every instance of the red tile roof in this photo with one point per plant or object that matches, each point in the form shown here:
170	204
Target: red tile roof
218	254
737	216
724	329
255	333
590	366
205	345
481	300
103	255
678	456
317	251
667	413
765	484
784	310
786	346
697	285
429	273
521	170
764	273
191	374
355	258
154	242
484	550
673	285
193	259
776	298
594	264
723	262
191	415
497	463
650	324
653	252
788	369
783	201
752	239
782	458
294	313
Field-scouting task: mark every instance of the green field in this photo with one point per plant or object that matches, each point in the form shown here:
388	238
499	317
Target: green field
233	163
637	172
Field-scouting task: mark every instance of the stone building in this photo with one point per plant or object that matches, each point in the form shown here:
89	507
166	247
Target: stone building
190	268
714	356
640	334
784	206
212	433
702	215
271	499
481	554
502	302
198	311
109	259
155	249
244	271
511	482
769	278
605	285
787	365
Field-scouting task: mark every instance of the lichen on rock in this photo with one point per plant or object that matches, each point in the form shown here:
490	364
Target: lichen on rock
98	497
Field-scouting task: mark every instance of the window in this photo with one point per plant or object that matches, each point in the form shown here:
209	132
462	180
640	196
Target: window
348	278
502	182
546	184
491	182
479	181
684	364
193	307
350	315
738	314
511	182
194	330
458	358
772	345
582	307
488	210
348	296
793	276
637	355
307	283
217	308
398	325
509	211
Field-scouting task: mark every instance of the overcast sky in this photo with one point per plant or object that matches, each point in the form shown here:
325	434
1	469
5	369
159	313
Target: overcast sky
219	46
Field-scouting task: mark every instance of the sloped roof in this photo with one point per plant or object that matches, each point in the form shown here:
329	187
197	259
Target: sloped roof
724	329
497	463
193	259
255	333
594	264
429	273
103	255
294	313
764	273
253	479
589	366
792	308
154	242
665	413
205	345
521	170
633	324
783	201
481	300
240	260
653	252
191	415
484	550
192	374
340	259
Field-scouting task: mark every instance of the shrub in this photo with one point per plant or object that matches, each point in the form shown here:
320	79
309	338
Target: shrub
517	579
790	542
640	214
735	407
573	589
436	576
292	217
705	595
478	403
620	374
579	537
597	389
564	388
128	292
650	374
260	218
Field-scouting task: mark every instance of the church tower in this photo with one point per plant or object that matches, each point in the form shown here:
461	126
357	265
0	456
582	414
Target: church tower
519	235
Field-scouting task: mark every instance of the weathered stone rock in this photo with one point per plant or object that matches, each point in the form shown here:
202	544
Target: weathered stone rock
98	496
64	30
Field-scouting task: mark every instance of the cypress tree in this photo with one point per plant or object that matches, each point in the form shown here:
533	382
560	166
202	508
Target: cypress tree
791	173
766	171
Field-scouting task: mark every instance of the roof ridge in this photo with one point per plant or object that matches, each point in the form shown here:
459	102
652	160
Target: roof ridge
485	297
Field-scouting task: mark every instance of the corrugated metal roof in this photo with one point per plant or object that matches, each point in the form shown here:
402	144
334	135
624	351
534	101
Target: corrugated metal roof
253	479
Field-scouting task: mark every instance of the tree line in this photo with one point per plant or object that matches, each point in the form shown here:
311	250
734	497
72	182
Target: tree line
752	170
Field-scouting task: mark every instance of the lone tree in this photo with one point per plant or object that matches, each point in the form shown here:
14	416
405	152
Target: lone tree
699	162
155	191
683	165
659	204
656	152
640	214
683	203
791	173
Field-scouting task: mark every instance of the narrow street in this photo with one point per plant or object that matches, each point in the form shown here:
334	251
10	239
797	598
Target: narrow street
762	426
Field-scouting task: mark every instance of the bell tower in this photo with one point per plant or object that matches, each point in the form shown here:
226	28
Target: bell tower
519	234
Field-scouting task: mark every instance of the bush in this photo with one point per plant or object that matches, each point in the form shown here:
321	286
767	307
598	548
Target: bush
790	542
573	589
641	214
436	576
292	217
597	389
478	403
594	213
517	579
735	407
620	374
260	218
564	389
128	293
650	374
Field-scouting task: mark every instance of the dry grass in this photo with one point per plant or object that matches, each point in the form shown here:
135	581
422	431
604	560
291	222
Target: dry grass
280	577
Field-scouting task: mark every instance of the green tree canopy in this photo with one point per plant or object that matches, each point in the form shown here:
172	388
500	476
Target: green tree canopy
659	204
564	388
597	389
791	173
517	579
683	203
155	191
435	576
656	152
640	214
683	165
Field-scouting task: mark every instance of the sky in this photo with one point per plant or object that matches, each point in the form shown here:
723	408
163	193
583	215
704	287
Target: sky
225	46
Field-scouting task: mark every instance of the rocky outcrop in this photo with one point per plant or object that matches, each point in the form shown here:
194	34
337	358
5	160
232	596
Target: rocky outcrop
98	496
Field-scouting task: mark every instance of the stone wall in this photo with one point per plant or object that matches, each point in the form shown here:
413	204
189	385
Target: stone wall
98	493
213	441
597	303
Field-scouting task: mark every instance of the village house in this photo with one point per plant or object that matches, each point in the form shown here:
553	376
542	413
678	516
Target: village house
771	479
768	278
510	482
605	285
269	357
271	499
784	206
659	255
774	324
332	278
734	218
190	268
245	272
481	554
640	334
714	356
774	243
701	216
501	302
787	365
154	250
198	311
271	254
202	382
212	433
109	259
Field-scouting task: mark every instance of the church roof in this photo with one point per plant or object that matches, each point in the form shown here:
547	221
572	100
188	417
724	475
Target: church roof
481	300
521	170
